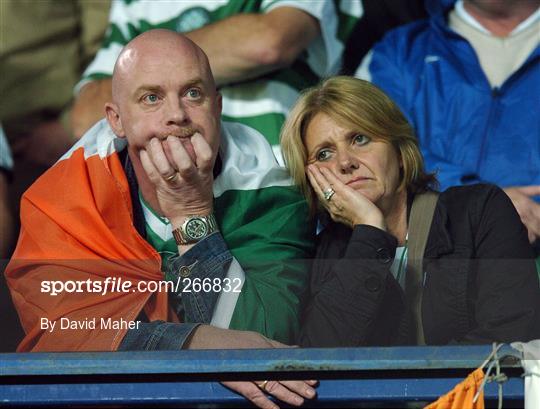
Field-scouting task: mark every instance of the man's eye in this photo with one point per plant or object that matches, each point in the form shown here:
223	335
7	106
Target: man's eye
323	155
361	139
150	99
193	93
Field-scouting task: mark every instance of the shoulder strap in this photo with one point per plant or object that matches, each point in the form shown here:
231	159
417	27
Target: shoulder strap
421	216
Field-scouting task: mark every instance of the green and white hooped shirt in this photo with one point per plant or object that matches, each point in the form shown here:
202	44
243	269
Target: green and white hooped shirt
262	103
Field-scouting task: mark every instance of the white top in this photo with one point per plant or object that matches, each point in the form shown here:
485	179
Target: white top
6	161
399	266
499	57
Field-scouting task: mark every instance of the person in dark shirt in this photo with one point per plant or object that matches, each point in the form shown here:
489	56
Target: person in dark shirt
355	156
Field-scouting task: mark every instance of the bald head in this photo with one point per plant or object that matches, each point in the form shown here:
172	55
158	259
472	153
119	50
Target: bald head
162	86
151	49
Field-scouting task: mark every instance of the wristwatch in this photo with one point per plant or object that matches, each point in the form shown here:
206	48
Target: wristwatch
194	229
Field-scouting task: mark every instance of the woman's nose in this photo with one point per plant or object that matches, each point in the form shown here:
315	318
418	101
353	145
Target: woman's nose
347	162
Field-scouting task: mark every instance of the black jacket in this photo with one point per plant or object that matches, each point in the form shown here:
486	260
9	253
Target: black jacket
481	283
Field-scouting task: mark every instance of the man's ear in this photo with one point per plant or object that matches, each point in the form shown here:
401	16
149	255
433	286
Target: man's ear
113	117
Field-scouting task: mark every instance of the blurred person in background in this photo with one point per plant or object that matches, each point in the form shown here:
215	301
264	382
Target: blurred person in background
376	18
468	79
262	53
6	218
45	47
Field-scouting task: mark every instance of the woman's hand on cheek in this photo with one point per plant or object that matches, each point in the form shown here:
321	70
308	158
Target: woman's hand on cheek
346	205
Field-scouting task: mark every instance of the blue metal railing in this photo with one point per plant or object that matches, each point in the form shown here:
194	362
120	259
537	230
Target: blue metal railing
348	376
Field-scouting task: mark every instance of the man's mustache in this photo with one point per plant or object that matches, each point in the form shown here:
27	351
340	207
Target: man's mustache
179	133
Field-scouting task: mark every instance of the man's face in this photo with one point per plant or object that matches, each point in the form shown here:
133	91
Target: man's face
166	91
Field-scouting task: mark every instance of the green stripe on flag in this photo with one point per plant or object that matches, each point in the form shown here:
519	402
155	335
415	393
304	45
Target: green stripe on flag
269	125
269	233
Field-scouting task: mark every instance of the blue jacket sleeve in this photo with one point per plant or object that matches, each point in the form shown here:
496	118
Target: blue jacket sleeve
383	68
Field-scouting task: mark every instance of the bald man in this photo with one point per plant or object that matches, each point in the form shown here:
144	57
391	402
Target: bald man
161	219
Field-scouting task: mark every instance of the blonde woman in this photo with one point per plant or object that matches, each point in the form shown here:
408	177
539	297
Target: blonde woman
356	158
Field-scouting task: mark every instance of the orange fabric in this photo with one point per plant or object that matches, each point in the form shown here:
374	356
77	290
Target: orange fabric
77	225
461	397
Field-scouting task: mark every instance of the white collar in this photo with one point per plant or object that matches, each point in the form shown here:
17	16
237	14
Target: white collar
159	225
469	19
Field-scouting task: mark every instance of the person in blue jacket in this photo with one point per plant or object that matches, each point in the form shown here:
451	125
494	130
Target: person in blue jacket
468	79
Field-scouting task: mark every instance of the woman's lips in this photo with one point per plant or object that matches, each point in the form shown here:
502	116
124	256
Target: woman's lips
358	180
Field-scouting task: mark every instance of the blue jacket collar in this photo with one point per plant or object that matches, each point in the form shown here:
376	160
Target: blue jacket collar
438	7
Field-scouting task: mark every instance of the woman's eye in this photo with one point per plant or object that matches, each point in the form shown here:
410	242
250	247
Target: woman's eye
323	155
194	93
361	139
150	98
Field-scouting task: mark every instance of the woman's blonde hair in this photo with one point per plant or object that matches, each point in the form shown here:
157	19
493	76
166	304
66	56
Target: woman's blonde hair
363	108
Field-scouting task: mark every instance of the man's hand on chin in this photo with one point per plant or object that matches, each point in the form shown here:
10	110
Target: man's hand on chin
183	185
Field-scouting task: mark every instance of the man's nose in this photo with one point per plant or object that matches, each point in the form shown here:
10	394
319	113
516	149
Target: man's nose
175	112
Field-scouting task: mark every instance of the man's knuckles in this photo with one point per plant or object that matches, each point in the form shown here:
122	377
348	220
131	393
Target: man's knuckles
204	158
186	168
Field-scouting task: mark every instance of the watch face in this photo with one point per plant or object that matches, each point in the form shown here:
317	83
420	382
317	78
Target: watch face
196	229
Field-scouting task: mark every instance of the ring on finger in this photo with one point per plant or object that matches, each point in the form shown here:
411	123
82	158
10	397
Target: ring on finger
328	193
171	178
262	385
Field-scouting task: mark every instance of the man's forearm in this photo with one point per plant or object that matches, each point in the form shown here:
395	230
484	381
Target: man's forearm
246	46
209	337
89	105
157	336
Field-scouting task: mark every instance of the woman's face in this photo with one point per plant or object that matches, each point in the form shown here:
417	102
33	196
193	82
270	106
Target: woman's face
371	168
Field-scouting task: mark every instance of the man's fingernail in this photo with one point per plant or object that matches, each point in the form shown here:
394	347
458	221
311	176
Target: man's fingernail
310	392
